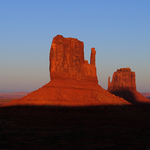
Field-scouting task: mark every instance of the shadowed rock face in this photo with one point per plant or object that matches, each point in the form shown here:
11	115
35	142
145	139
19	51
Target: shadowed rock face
123	85
123	79
67	60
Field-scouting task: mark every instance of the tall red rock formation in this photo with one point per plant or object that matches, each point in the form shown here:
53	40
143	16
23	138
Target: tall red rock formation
73	80
92	59
123	79
67	60
124	85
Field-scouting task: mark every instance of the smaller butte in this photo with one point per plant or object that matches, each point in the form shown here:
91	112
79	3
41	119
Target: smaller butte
123	79
124	85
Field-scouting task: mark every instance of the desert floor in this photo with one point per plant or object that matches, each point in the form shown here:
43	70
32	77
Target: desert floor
4	101
97	127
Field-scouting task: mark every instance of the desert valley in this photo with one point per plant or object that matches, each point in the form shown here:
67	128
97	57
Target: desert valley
73	111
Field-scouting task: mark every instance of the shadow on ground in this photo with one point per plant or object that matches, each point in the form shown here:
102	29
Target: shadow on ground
95	127
134	97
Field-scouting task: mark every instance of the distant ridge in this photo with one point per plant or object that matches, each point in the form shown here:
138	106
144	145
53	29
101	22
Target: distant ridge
13	95
146	95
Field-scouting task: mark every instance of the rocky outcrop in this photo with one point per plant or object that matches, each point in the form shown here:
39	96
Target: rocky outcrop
124	85
67	60
73	80
123	79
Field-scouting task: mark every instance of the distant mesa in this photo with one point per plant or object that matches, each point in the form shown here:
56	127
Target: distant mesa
124	85
73	80
146	95
123	79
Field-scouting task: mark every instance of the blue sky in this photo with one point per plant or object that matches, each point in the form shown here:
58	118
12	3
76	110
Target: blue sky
118	29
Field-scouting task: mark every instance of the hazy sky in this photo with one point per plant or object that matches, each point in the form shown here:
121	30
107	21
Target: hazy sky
118	29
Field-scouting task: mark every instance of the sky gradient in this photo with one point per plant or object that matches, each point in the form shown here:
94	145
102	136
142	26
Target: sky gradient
118	29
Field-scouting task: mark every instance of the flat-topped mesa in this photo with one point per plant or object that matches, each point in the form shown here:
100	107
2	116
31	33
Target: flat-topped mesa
123	79
67	60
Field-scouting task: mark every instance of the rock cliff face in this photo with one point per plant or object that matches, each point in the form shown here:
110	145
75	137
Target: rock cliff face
123	79
67	60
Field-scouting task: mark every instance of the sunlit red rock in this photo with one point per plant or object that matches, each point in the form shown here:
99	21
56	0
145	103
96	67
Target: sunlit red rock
69	93
67	60
123	79
73	80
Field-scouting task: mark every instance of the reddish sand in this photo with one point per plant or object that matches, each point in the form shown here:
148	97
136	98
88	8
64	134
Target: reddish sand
69	93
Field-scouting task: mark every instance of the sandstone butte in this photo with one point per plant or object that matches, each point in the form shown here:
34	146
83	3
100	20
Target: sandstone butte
73	80
124	85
